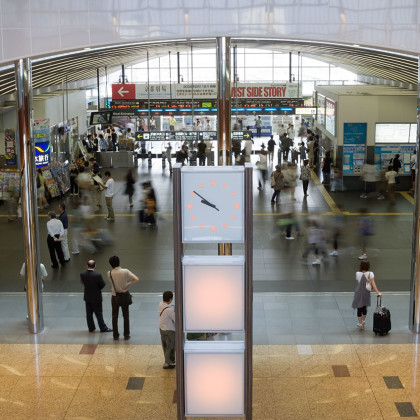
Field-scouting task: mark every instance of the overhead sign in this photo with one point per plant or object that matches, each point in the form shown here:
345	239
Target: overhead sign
206	91
123	91
305	111
266	90
241	135
155	135
207	135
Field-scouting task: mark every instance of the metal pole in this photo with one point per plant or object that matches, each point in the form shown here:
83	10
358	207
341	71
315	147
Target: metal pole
122	74
290	67
192	89
178	64
223	97
249	293
414	320
23	74
170	78
148	89
106	87
179	293
97	84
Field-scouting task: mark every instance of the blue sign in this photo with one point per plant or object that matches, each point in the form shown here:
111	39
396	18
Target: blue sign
353	159
354	133
42	154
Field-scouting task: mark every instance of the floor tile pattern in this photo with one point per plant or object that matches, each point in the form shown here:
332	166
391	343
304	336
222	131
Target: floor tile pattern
48	381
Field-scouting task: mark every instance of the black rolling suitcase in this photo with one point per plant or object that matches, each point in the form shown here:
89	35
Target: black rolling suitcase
381	318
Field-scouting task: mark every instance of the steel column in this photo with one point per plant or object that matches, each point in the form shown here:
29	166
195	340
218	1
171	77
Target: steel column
414	320
23	73
179	292
223	98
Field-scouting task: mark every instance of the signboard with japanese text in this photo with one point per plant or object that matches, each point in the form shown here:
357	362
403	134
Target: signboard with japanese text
10	146
41	133
198	91
42	154
320	117
354	133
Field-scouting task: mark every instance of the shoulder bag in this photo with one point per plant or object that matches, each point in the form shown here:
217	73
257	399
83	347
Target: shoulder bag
123	298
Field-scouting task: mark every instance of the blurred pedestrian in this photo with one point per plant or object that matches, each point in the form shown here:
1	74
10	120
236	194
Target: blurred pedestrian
391	177
365	230
270	149
290	178
276	183
326	168
315	241
65	221
129	186
305	176
109	194
262	167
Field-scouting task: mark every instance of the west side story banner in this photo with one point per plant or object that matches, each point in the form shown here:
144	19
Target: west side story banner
204	91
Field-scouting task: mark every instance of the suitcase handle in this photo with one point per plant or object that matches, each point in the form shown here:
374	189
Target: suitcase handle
378	300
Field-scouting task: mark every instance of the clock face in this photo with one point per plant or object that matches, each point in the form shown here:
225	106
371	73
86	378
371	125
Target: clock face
212	204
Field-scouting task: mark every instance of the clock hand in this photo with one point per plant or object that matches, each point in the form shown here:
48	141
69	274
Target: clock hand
207	203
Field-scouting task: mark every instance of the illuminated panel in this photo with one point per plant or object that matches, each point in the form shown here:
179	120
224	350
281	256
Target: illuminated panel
211	285
214	379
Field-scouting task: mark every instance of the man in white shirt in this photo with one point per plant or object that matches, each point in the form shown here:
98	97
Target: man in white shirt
120	279
55	235
167	329
109	194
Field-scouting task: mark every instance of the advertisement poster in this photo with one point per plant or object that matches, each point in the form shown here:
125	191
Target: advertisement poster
10	150
321	109
384	154
41	132
330	116
354	148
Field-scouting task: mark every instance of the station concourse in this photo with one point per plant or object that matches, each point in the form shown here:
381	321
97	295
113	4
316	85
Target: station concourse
309	359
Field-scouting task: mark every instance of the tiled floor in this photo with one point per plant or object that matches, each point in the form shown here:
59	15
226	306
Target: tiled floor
45	381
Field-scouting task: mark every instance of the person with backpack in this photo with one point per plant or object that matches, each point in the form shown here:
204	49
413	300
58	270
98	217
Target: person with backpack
277	183
361	299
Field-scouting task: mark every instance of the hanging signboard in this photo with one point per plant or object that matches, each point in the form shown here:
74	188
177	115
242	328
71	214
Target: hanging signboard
204	91
10	140
41	133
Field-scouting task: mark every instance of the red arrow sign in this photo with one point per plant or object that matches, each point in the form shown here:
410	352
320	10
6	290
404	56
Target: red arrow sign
123	91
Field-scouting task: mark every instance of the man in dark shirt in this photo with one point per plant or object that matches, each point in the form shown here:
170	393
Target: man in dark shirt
270	148
201	152
93	283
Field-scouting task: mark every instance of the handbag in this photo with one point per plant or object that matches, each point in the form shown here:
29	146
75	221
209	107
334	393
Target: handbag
368	284
123	298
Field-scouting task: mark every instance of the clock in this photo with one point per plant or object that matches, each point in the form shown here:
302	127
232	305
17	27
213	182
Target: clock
212	200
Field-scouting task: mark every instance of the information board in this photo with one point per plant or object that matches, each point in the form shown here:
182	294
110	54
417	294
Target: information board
155	135
354	148
384	154
354	133
353	159
395	133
